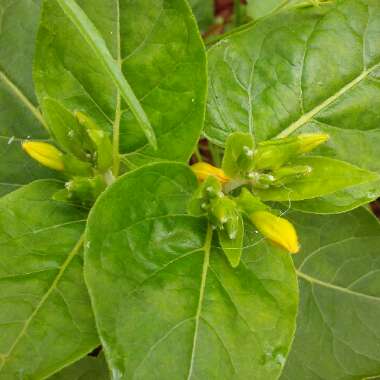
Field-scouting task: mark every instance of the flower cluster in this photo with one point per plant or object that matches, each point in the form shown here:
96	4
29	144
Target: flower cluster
228	194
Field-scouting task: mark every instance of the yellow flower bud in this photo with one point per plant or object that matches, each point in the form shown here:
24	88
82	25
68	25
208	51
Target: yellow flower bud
278	230
46	154
310	141
203	170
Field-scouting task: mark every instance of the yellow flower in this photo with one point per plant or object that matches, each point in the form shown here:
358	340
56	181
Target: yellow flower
203	170
278	230
46	154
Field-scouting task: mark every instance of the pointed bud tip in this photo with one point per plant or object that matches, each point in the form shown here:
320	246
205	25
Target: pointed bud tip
310	141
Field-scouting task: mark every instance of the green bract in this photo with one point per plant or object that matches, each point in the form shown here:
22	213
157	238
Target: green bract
124	262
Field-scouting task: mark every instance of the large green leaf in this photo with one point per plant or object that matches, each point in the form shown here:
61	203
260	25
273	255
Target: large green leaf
88	368
46	320
19	116
338	326
159	50
314	69
167	303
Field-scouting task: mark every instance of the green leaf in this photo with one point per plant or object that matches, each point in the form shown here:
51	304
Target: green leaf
257	8
327	176
88	368
167	303
19	116
204	12
46	320
284	75
96	42
338	322
159	50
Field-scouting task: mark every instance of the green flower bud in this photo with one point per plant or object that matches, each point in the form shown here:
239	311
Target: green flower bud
272	154
238	156
208	190
75	167
101	141
225	215
288	174
66	130
85	190
248	203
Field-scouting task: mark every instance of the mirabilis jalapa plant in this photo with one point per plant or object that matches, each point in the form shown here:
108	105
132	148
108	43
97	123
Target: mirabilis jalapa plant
108	237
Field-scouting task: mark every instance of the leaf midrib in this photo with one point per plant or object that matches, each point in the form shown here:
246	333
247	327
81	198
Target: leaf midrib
22	97
60	273
307	117
206	261
324	284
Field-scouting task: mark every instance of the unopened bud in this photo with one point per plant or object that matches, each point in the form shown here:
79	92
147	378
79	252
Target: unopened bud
309	142
204	170
272	154
46	154
278	230
288	174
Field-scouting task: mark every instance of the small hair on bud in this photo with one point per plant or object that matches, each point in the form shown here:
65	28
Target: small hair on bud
232	235
220	194
204	206
209	189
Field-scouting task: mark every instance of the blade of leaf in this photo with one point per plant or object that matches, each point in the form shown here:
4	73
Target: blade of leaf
20	117
96	41
181	311
337	328
46	319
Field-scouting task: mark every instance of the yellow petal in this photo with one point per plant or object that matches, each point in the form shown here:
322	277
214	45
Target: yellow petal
278	230
46	154
203	170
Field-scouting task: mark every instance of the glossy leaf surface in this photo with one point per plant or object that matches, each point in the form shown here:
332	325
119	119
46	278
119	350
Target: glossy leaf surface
159	50
19	114
338	322
312	69
46	320
167	302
